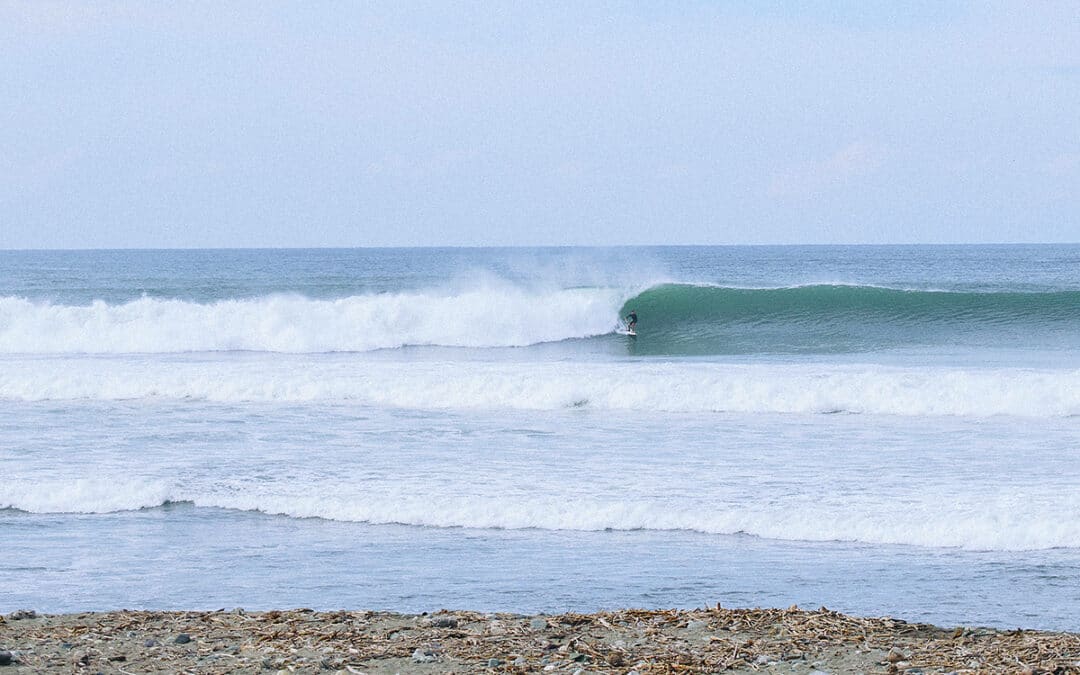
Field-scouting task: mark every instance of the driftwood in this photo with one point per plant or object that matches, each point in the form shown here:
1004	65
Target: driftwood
645	641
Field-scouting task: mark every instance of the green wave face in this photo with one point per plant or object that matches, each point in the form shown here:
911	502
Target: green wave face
684	319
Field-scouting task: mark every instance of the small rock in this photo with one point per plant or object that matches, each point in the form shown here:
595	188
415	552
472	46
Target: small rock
444	622
762	660
182	639
538	624
494	663
914	671
150	643
615	659
20	614
424	656
118	657
520	661
697	624
6	658
896	656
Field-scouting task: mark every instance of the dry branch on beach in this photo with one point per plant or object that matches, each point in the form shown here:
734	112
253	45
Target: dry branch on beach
645	641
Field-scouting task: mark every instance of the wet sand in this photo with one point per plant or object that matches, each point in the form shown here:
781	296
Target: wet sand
624	641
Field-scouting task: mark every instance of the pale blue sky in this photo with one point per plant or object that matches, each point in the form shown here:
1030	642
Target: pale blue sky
206	124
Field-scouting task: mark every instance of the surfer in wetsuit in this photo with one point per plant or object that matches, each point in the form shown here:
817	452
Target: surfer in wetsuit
631	321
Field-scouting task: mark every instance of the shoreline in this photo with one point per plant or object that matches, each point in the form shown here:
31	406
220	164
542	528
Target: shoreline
621	641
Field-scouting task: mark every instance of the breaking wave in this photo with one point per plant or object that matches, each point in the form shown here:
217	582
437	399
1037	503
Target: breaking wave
483	317
832	318
1010	520
685	386
675	319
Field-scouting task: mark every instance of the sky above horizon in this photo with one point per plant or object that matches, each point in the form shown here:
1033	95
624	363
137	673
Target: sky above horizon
275	124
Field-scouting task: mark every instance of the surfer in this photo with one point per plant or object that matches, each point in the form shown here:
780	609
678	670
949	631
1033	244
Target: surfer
631	321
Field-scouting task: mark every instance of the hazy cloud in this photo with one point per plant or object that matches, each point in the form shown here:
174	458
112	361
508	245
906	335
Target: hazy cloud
847	164
330	123
1065	164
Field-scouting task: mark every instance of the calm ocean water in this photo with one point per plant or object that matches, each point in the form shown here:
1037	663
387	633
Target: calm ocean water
881	430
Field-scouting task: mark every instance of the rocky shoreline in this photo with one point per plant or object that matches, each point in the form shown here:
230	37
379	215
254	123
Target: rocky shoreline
624	641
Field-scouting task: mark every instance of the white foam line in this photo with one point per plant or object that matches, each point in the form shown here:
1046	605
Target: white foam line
677	387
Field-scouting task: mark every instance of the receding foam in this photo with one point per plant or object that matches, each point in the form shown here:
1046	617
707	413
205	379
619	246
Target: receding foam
1009	521
622	385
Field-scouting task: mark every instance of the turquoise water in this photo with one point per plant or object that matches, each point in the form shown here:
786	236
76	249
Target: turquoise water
882	430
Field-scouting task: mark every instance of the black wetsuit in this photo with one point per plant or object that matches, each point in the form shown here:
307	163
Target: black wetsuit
632	318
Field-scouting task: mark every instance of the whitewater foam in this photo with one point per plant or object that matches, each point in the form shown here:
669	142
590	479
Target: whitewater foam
1006	521
83	495
672	387
488	316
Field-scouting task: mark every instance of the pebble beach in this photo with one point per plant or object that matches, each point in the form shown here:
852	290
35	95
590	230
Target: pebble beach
625	641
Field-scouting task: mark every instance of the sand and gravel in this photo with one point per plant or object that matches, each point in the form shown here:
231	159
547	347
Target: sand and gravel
625	641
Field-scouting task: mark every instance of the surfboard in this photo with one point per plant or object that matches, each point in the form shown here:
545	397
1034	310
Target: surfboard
626	331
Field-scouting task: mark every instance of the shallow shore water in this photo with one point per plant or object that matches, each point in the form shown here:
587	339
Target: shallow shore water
624	641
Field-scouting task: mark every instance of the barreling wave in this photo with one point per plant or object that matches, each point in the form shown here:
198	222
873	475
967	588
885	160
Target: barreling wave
675	319
1010	520
824	318
489	316
627	386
